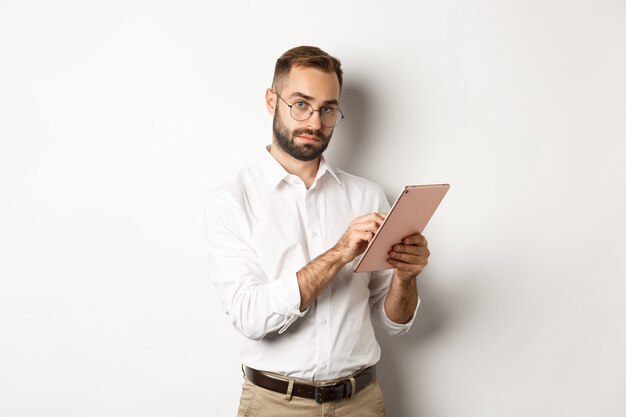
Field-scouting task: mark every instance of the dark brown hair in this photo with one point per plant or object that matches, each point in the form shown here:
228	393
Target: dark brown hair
305	56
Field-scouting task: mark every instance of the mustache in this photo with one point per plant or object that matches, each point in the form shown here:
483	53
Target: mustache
317	134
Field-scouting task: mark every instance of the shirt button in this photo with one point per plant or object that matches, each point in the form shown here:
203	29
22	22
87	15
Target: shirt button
323	322
323	366
314	234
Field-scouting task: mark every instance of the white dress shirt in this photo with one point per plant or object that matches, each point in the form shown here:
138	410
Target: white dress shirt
264	226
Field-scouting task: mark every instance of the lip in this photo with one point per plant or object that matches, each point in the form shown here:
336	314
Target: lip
309	138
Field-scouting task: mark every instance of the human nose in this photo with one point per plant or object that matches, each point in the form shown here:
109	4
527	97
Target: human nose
315	120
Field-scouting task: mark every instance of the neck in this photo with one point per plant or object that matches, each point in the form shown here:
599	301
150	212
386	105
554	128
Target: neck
305	170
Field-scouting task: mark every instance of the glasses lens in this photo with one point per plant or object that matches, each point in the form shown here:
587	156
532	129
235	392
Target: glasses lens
330	117
300	110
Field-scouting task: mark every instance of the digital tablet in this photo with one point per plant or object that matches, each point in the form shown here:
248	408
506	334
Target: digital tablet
409	215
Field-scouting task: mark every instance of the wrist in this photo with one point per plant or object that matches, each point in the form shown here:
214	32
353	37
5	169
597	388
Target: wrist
337	256
405	281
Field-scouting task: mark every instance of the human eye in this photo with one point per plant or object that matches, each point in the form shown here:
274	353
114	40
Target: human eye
301	104
328	110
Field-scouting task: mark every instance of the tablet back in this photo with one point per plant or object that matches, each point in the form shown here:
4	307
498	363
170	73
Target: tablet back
409	215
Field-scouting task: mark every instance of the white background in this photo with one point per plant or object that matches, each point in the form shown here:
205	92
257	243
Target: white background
116	117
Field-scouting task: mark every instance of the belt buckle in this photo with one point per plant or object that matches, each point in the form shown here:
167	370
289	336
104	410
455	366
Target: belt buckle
326	393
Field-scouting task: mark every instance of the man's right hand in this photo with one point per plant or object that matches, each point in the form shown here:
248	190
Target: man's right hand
316	275
357	236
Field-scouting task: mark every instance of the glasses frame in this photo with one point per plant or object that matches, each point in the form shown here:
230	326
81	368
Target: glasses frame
312	111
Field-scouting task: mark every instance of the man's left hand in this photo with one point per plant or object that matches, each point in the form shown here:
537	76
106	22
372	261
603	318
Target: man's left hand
409	257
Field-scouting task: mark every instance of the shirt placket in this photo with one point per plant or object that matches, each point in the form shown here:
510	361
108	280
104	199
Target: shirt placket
315	243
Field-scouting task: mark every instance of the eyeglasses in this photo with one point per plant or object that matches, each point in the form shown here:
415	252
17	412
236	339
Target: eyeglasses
301	110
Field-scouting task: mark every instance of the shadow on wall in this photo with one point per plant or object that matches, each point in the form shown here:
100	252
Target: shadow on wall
399	368
401	357
351	138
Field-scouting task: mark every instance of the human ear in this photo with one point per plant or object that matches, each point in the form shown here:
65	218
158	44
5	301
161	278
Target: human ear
270	101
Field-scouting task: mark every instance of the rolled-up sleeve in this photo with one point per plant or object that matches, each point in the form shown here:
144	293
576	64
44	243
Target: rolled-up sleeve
255	304
380	282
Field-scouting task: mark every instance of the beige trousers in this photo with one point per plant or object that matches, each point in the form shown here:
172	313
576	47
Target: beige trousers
260	402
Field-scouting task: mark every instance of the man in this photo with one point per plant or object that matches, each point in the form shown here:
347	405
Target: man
282	259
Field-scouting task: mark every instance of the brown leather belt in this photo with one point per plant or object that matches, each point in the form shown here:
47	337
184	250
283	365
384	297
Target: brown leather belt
320	393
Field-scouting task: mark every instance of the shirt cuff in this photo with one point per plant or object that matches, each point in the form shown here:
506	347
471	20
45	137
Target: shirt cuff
394	328
287	299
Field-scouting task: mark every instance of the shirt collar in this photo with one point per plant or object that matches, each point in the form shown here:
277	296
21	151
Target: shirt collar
274	172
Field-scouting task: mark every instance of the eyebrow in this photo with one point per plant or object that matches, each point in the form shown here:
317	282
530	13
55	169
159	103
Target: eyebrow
306	97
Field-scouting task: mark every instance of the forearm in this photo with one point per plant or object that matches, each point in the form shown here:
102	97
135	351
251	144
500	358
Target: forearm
315	276
401	300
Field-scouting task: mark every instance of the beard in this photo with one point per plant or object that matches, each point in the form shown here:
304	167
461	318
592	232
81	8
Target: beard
286	140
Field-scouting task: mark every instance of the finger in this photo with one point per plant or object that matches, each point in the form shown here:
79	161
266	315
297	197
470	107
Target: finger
405	267
376	217
368	226
416	239
364	236
404	257
410	259
411	249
